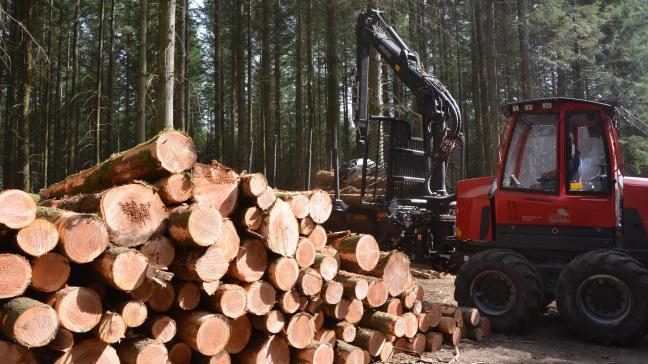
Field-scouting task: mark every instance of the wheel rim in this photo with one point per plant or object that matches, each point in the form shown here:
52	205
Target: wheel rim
493	292
604	299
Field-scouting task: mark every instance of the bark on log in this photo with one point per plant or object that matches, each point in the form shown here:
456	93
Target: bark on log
318	237
63	342
306	226
414	345
309	282
384	322
253	185
345	331
90	351
471	316
141	351
162	297
453	338
434	313
174	189
317	353
288	302
217	186
144	292
203	331
29	322
305	253
300	331
447	325
434	341
249	218
283	273
326	266
393	306
168	152
355	286
17	209
485	326
279	230
195	225
16	275
79	308
321	205
264	349
200	264
161	328
476	334
134	312
250	262
371	340
122	268
318	320
160	251
326	336
359	253
229	299
261	297
111	328
346	353
393	269
179	353
272	322
332	292
187	295
267	199
411	324
37	238
241	333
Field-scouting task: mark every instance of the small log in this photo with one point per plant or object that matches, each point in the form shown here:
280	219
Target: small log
424	321
305	253
393	269
37	238
370	340
471	316
29	322
265	349
111	328
253	185
309	282
359	253
446	325
377	293
453	338
271	323
454	312
179	353
175	188
346	353
209	287
217	186
283	273
144	292
345	331
203	331
16	275
260	297
417	307
326	336
161	328
17	209
241	333
306	226
249	218
266	199
318	237
250	262
279	230
387	351
122	268
63	341
332	292
414	345
229	299
411	324
327	266
316	353
485	326
331	252
349	310
162	298
79	309
91	351
434	313
187	295
288	302
160	251
393	306
195	225
134	312
200	264
83	237
300	331
142	350
321	205
434	341
384	322
229	241
355	286
298	201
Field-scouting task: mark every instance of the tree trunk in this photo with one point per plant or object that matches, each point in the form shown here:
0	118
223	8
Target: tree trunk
523	35
332	87
278	145
218	81
165	64
141	73
299	106
99	85
267	125
241	110
110	147
179	118
24	75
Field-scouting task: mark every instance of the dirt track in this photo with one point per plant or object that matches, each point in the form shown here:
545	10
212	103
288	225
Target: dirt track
549	342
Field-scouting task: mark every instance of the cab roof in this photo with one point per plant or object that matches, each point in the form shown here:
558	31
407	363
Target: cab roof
518	106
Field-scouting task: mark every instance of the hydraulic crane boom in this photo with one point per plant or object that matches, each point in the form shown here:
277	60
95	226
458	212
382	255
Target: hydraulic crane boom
433	101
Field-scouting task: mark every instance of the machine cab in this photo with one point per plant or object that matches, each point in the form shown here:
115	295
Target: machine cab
560	163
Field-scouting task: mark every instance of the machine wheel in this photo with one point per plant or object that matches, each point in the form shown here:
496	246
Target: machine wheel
503	285
603	295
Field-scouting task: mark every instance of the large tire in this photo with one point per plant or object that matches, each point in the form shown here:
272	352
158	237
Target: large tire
504	286
603	296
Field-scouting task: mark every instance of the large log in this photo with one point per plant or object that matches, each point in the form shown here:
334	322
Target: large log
305	253
174	189
250	262
371	340
203	331
83	237
317	353
161	328
134	312
16	275
187	295
446	325
141	351
321	205
393	306
241	333
279	230
90	351
229	299
283	273
411	324
145	291
434	341
79	309
261	296
200	264
393	268
122	268
471	316
253	185
415	345
29	322
346	353
17	209
195	225
300	331
272	322
111	328
387	351
377	293
359	253
160	251
168	152
37	238
265	349
217	186
306	226
223	357
384	322
326	336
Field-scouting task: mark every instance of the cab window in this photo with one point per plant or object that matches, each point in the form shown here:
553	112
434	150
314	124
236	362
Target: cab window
531	160
587	159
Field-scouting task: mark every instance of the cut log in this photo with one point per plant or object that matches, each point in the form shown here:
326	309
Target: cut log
265	200
393	269
134	312
16	353
312	305
384	322
83	237
355	311
180	353
161	328
144	292
434	341
253	185
160	251
17	209
265	349
331	252
241	333
37	238
209	287
260	297
200	264
122	268
205	332
309	282
288	302
370	340
279	229
318	320
411	324
298	201
415	345
305	253
316	353
332	292
359	253
476	334
29	322
326	336
321	205
411	295
434	313
229	299
355	286
454	312
168	152
250	262
223	357
447	325
417	307
174	189
187	295
63	341
345	331
111	328
195	225
423	322
142	351
300	331
229	241
453	338
326	265
217	186
306	226
249	218
271	323
90	351
471	316
387	351
15	275
318	237
162	298
346	353
79	309
485	326
283	273
393	306
377	293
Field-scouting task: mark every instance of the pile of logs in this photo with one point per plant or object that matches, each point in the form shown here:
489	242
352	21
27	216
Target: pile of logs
150	257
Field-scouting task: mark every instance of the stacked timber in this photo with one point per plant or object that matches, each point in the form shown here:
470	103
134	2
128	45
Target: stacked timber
150	257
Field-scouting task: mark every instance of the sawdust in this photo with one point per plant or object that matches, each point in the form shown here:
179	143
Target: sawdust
137	213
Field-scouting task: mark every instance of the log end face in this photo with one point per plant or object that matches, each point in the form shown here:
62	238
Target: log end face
90	351
40	237
305	253
213	334
301	330
84	237
163	328
160	251
367	253
36	326
242	330
15	275
261	296
180	353
134	313
233	300
129	270
50	272
286	273
17	209
321	206
205	225
175	151
79	308
211	266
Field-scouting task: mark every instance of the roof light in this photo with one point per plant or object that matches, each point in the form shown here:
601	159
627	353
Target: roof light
546	105
528	107
516	108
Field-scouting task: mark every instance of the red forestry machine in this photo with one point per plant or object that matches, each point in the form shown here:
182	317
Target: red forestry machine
559	221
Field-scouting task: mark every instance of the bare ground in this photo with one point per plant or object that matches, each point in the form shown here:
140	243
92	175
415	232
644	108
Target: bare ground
547	342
